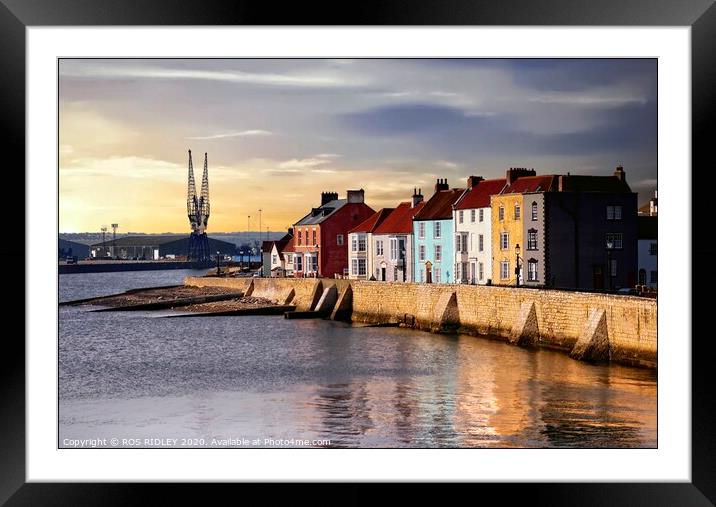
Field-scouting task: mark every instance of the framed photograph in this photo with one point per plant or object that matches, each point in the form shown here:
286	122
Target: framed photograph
422	248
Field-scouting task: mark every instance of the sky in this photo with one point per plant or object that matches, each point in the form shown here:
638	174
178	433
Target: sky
280	132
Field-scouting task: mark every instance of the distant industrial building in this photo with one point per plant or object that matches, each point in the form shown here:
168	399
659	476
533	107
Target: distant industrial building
153	247
72	249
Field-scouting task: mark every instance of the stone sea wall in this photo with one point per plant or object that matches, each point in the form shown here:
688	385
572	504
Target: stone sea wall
587	325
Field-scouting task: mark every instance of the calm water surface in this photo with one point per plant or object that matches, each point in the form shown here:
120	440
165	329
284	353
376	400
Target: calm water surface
139	375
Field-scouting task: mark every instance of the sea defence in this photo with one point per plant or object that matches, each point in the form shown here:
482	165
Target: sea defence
589	326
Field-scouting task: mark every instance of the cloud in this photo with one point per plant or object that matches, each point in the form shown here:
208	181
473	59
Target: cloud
307	163
243	133
116	71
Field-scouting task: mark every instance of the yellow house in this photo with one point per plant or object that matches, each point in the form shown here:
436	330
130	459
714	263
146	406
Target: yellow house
507	232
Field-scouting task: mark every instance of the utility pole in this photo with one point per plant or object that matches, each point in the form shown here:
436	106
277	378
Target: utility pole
260	230
104	247
114	240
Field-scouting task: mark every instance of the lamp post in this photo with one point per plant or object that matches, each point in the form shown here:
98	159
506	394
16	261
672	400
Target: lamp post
517	265
402	261
318	250
218	266
610	245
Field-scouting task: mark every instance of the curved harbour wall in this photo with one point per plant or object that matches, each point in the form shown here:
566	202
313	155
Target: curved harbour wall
587	325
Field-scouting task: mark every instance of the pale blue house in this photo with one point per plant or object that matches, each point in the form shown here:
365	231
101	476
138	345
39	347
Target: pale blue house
433	242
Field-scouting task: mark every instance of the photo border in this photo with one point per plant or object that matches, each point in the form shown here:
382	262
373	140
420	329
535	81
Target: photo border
700	15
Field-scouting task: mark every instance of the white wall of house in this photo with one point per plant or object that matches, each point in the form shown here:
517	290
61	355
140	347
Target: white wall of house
647	254
385	255
358	249
470	258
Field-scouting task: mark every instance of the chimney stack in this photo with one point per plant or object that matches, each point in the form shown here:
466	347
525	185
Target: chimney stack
518	172
417	198
441	184
472	181
620	174
356	196
327	197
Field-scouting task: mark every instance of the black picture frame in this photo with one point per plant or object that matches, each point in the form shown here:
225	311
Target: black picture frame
17	15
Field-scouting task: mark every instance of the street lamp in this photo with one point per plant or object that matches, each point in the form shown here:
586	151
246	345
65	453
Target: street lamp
218	266
318	250
610	245
403	263
517	265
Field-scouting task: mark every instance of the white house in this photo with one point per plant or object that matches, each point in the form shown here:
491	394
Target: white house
472	221
361	246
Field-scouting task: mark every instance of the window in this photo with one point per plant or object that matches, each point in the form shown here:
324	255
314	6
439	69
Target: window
395	273
354	242
617	212
314	236
480	270
534	211
472	215
421	230
298	263
314	262
532	270
614	267
274	259
458	237
289	258
460	216
504	241
504	270
652	277
501	214
482	214
652	249
437	229
518	211
610	212
393	249
436	275
358	267
361	242
421	251
438	253
532	239
379	247
300	237
422	275
616	239
339	239
480	242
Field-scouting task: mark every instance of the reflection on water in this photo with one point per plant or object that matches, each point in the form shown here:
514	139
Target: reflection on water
137	376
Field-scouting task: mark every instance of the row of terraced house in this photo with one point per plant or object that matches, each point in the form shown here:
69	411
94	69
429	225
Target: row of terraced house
556	230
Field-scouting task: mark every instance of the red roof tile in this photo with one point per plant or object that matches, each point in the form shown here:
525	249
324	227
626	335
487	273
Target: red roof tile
439	206
479	195
373	221
399	221
289	246
532	184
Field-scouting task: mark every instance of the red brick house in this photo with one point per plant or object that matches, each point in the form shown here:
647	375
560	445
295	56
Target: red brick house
321	237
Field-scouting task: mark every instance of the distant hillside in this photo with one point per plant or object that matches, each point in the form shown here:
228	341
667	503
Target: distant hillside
237	238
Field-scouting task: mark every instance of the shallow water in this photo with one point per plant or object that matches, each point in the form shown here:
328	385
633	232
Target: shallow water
266	381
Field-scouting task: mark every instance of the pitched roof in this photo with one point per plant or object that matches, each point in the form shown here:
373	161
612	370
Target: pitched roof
479	195
373	221
267	246
400	221
318	215
647	227
439	206
289	246
532	184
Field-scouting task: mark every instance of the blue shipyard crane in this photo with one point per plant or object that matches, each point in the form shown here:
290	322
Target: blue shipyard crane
197	208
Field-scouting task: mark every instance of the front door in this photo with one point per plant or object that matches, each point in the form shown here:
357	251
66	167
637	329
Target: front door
382	274
598	276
